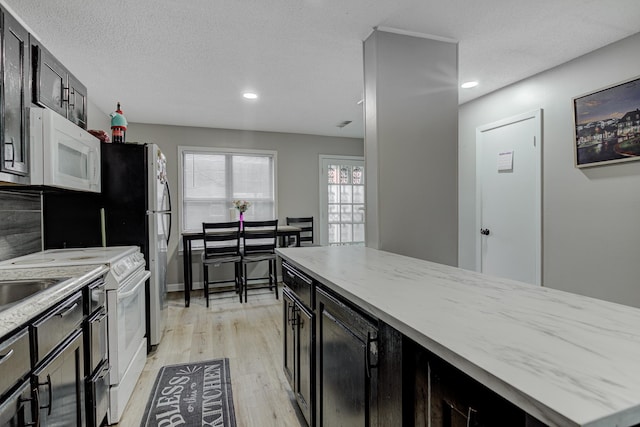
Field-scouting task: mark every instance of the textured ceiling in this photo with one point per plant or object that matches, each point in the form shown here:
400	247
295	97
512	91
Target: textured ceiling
187	62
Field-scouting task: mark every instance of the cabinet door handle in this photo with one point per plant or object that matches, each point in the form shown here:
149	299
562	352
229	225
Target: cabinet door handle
48	383
470	416
289	313
13	152
295	317
372	344
36	394
71	92
68	310
5	357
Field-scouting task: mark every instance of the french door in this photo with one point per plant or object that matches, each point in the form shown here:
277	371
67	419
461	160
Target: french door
342	207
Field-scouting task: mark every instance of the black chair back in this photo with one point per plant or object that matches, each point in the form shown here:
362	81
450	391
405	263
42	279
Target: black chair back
221	239
260	237
306	227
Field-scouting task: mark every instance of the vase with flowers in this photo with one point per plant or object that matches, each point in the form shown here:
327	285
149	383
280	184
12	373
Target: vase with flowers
241	206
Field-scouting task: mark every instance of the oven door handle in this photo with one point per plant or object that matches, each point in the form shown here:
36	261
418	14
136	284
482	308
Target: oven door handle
122	295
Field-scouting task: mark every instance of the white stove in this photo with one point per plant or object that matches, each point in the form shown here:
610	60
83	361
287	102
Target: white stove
126	307
123	260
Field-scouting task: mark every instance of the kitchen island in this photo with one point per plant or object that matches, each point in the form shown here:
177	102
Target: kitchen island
564	359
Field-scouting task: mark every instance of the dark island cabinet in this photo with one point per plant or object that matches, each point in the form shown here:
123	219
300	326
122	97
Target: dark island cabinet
364	372
333	360
443	396
347	359
298	345
299	339
14	97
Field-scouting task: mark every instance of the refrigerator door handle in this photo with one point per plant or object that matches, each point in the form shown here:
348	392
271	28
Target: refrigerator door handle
166	185
169	231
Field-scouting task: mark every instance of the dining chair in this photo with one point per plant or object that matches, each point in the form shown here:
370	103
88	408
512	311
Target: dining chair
221	246
306	230
259	244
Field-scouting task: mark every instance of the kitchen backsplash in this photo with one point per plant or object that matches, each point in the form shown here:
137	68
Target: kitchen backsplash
21	226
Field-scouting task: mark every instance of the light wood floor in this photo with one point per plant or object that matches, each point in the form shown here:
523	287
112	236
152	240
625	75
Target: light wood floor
249	334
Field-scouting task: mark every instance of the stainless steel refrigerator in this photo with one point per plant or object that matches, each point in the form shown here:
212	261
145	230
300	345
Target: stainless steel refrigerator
137	205
137	211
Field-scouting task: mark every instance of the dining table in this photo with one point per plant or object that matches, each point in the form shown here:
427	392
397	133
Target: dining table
188	237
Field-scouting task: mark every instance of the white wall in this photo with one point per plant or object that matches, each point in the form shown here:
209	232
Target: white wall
297	175
591	232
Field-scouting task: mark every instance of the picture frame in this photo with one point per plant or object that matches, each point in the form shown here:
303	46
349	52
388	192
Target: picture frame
607	125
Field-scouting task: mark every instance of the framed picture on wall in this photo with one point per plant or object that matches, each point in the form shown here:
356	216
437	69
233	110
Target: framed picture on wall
607	125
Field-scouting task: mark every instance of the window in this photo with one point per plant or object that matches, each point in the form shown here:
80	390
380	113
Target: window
342	221
210	179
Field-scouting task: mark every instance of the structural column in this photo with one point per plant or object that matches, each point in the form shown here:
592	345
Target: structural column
411	145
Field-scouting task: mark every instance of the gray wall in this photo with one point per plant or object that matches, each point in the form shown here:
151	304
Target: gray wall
20	228
98	119
411	125
297	174
591	234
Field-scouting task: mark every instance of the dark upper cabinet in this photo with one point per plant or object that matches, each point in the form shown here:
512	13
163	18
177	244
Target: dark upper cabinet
15	96
55	87
50	81
77	107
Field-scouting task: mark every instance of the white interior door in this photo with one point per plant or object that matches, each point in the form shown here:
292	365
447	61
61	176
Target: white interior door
342	207
509	198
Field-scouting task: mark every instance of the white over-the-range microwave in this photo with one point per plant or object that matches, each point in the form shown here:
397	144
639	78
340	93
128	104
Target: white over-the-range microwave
62	154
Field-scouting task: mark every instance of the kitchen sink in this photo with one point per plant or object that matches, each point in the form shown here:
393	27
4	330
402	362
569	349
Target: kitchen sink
14	291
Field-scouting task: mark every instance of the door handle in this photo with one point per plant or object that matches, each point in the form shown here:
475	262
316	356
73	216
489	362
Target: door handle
485	231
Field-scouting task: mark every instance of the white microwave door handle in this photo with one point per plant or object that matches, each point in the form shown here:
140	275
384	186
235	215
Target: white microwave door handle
93	156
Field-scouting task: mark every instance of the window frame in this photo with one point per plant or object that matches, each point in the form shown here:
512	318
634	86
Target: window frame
183	149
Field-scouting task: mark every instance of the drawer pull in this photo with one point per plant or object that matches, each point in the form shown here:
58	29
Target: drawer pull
6	356
67	311
100	317
104	372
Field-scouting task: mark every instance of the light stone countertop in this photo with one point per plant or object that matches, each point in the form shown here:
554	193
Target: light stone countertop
23	311
566	359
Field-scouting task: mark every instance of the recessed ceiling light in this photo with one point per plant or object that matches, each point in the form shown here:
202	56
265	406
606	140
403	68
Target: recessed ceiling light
250	95
469	85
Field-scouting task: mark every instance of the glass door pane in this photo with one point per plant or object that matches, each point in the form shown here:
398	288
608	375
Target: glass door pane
343	204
